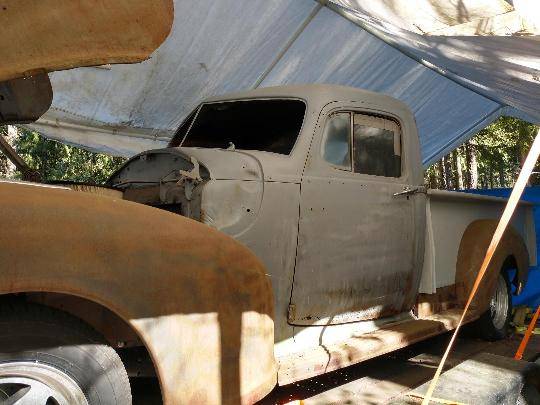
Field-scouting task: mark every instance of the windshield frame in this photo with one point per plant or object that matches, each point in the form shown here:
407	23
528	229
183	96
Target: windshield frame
181	144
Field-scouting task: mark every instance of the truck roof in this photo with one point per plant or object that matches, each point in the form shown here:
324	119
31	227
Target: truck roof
317	97
315	94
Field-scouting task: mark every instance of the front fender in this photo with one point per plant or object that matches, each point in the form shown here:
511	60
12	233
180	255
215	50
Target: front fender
199	300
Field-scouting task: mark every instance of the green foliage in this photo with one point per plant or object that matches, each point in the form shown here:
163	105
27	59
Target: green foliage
57	161
502	148
492	158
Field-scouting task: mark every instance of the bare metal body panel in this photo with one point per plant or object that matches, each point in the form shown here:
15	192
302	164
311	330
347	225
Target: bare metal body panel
358	248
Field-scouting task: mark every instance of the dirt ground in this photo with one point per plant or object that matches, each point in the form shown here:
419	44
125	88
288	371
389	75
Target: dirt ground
376	381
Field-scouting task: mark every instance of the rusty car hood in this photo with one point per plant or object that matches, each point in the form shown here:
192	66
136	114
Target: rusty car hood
44	36
48	35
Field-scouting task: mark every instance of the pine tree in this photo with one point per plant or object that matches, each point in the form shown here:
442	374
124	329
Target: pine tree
492	158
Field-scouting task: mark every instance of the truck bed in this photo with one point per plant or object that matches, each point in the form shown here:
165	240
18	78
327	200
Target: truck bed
448	213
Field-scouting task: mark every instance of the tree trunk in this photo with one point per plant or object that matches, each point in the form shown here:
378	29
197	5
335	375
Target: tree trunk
446	177
432	178
502	180
458	175
472	166
440	175
447	164
523	145
467	175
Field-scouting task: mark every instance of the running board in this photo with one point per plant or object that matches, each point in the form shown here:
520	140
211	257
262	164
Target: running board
323	359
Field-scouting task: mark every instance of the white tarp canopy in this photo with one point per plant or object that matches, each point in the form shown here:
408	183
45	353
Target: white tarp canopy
455	84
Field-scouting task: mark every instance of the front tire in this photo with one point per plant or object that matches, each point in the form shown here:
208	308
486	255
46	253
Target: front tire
494	324
48	357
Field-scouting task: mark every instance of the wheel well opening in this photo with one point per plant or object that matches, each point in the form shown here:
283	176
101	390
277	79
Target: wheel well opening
510	267
509	263
117	332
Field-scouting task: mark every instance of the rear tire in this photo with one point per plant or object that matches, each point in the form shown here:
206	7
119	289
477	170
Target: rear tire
494	324
50	357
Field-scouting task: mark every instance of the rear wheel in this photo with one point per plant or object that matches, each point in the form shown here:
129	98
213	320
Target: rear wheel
495	322
48	357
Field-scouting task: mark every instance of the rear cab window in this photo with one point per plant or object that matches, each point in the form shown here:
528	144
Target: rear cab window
268	125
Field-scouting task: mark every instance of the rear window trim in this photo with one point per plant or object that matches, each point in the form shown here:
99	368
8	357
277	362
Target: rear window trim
252	99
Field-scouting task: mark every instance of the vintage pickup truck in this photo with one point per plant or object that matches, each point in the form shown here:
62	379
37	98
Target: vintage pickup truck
284	232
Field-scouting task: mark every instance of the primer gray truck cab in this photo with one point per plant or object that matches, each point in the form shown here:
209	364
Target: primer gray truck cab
325	185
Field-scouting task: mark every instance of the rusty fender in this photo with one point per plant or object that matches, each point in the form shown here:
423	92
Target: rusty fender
48	35
199	300
472	250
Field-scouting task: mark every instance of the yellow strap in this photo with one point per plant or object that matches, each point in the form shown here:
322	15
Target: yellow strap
511	205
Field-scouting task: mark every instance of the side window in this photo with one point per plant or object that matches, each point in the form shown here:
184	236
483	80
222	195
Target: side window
376	146
336	142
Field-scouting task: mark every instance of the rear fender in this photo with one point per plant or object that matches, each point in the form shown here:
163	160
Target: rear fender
199	300
472	249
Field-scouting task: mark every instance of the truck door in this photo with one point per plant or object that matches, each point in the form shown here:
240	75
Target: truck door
361	225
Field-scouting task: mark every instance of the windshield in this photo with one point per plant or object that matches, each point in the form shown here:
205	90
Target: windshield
265	125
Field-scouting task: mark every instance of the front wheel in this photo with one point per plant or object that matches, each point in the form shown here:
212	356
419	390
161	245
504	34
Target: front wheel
48	357
495	322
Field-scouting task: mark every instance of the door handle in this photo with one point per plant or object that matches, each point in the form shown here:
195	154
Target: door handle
407	191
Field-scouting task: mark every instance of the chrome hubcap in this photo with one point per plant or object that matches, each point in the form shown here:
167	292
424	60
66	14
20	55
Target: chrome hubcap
27	383
499	304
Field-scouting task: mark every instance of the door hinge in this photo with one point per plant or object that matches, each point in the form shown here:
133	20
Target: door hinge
291	313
